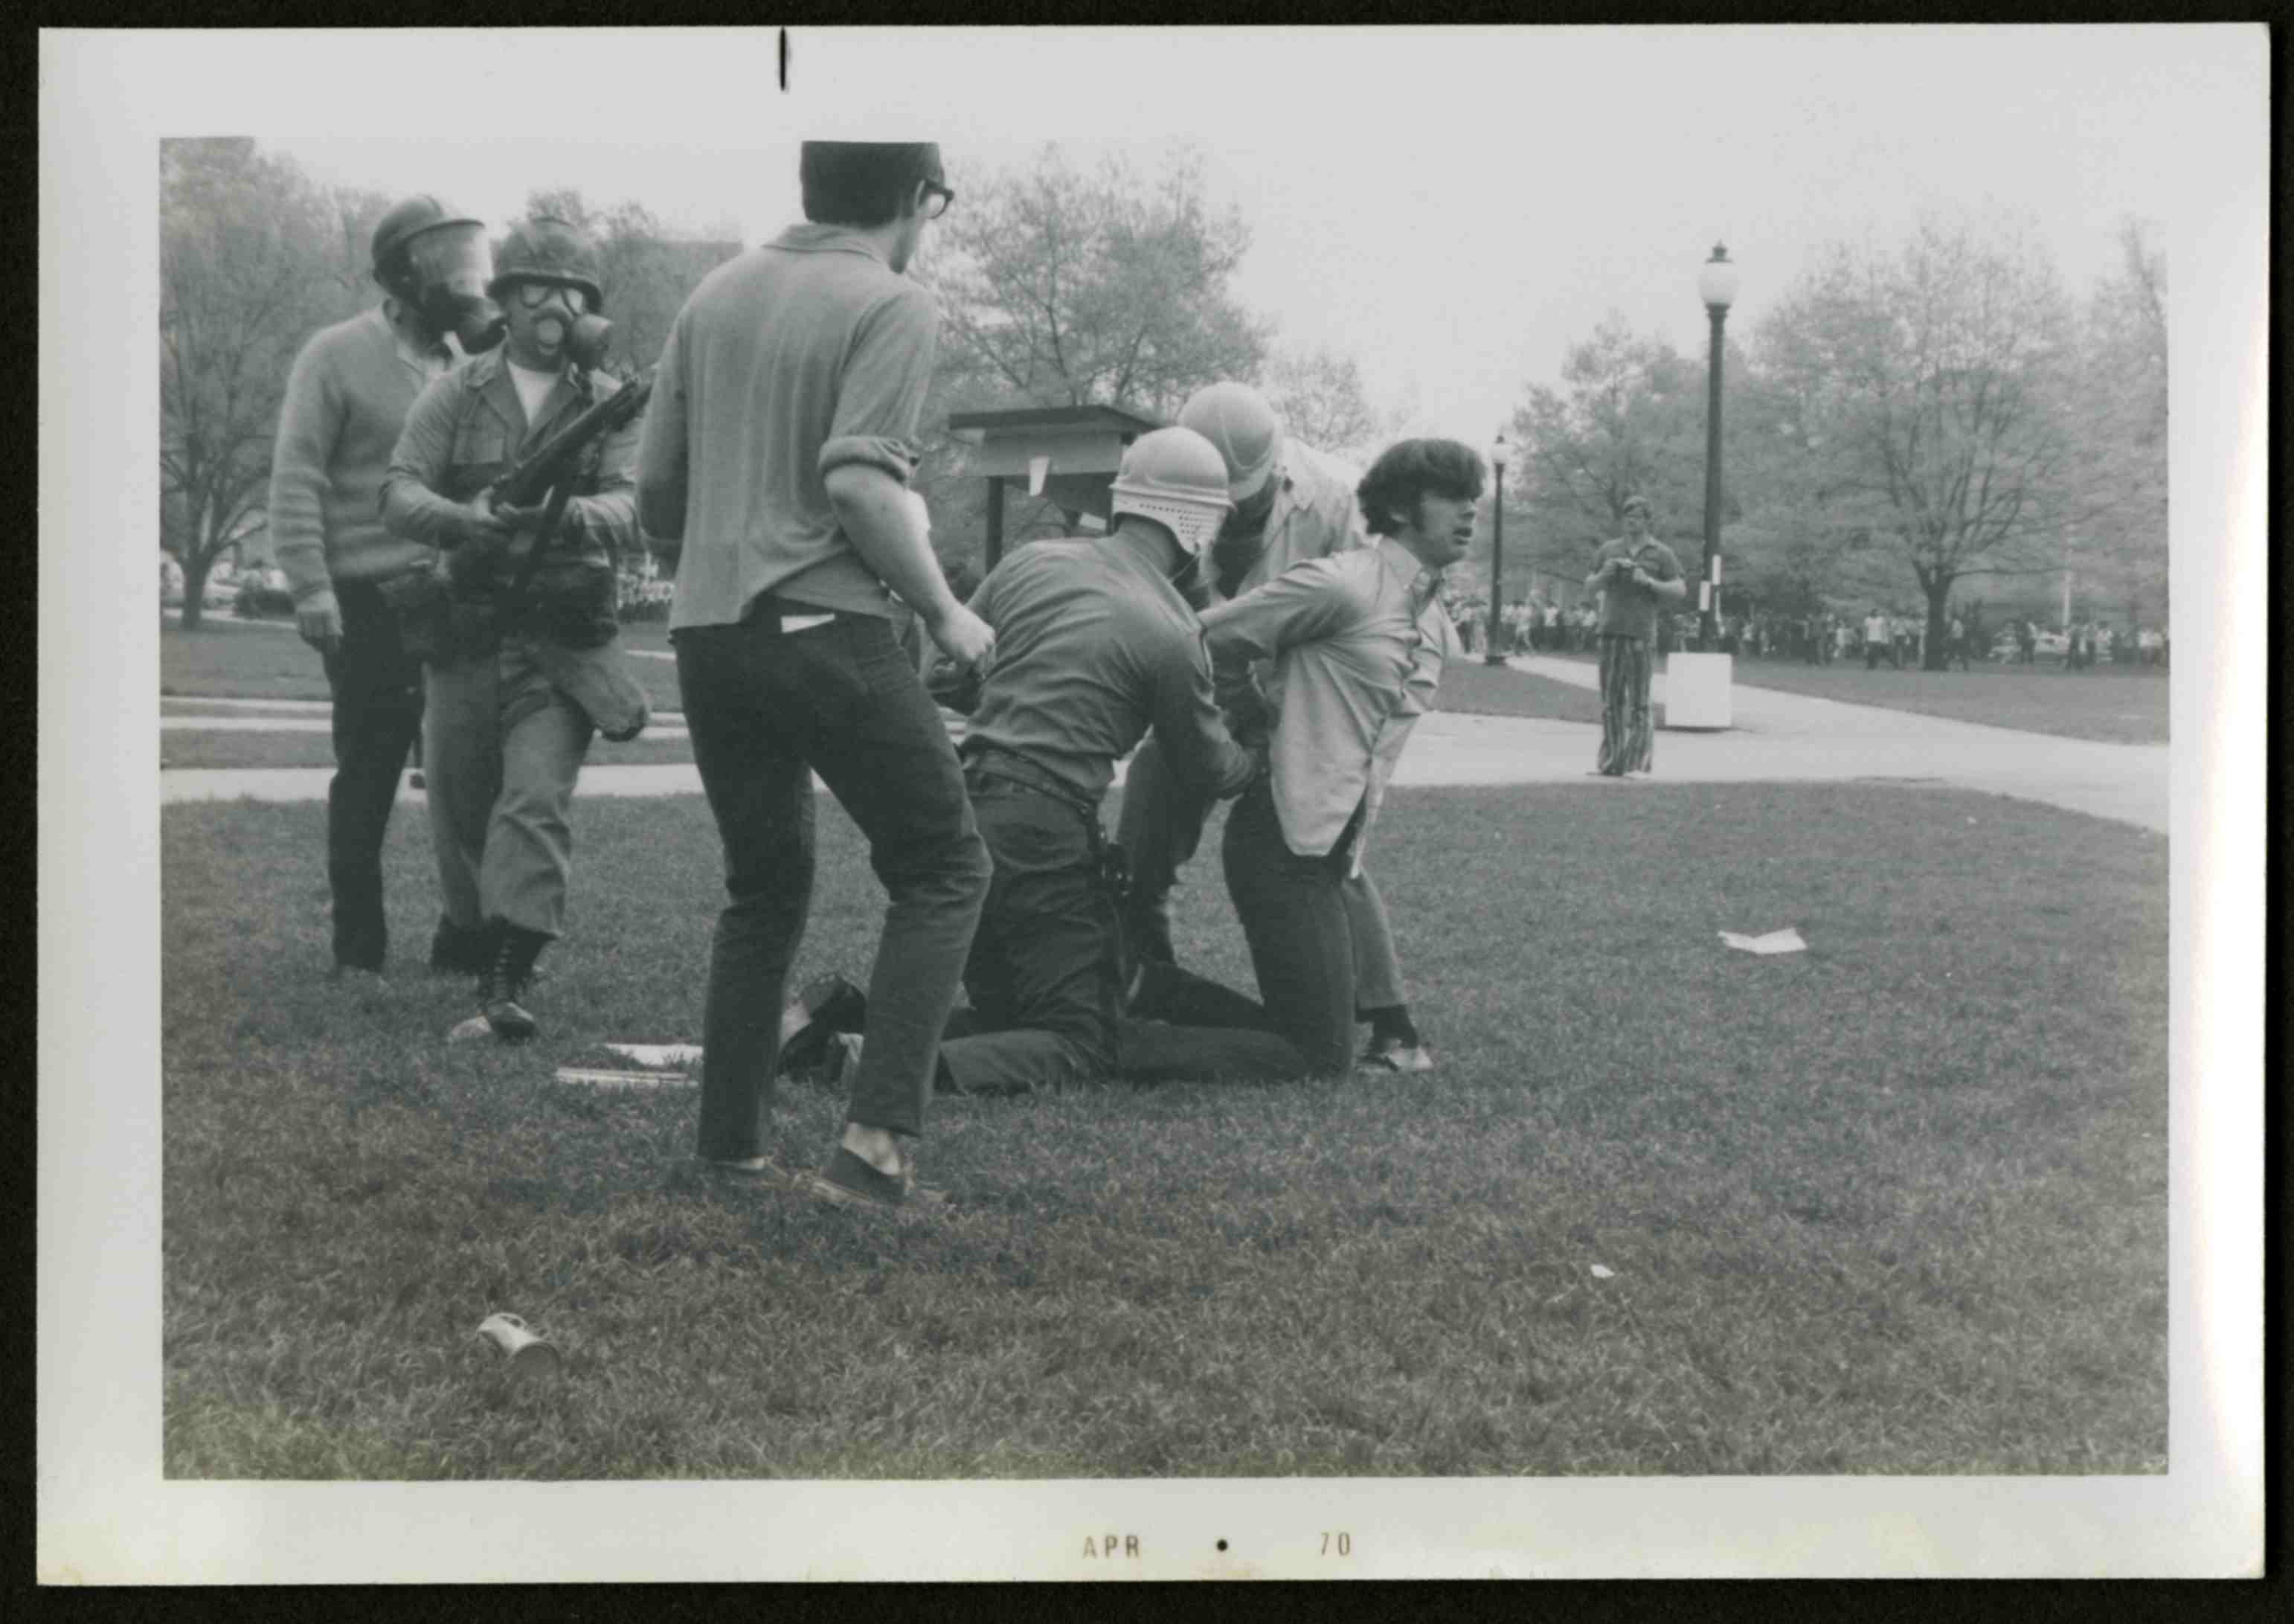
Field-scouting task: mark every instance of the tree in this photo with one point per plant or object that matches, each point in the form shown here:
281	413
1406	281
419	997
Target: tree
1058	288
2122	546
251	263
1628	420
1935	383
1320	397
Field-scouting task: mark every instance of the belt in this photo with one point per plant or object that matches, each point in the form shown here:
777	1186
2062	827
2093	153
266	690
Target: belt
995	761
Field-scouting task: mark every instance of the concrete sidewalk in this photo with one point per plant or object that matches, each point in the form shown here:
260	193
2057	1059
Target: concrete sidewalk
1778	738
1785	736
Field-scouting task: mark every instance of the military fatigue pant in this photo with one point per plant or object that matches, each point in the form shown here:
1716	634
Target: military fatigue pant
502	746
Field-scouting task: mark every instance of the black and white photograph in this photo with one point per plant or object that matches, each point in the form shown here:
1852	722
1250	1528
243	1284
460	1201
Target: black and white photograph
1151	803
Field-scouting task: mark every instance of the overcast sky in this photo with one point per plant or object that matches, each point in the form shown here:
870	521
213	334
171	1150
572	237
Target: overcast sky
1452	207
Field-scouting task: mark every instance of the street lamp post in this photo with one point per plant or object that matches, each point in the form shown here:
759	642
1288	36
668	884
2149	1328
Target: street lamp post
1716	284
1493	657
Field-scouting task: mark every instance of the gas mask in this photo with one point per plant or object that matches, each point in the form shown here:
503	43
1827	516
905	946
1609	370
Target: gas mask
562	324
448	270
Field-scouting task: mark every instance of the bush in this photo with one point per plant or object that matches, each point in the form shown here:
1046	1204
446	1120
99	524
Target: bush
257	601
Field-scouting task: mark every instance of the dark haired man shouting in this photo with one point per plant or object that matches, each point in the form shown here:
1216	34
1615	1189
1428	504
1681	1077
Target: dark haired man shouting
776	452
1357	639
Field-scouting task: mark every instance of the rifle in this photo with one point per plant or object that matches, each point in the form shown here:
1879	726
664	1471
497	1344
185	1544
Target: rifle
549	470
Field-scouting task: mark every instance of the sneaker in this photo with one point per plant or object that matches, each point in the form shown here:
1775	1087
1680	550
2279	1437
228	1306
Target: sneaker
828	1006
358	976
1394	1054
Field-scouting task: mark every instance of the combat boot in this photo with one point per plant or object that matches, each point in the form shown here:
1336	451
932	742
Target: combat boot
504	984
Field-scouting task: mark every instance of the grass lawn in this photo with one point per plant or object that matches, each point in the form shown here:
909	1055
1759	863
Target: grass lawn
1471	687
195	748
1897	1205
2115	703
253	663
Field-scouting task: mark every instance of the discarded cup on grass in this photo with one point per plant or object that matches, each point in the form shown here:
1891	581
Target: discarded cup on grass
529	1357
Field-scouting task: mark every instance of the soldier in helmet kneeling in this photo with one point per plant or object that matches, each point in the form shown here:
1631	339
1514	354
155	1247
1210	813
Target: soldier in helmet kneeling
1095	644
518	639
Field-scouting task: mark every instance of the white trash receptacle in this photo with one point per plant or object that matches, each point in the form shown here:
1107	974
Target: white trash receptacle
1696	690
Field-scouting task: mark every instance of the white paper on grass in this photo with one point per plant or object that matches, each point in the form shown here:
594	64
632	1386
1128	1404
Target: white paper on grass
1602	1272
582	1076
1785	941
658	1054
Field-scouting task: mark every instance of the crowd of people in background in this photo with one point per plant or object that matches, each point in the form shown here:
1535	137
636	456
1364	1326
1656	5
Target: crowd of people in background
1536	623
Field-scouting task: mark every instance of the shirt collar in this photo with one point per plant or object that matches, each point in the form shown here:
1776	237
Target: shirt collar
1418	582
811	237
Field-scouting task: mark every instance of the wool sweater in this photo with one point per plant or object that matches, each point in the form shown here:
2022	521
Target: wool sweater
347	400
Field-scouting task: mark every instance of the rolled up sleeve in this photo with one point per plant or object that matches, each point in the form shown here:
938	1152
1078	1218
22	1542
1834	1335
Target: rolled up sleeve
661	456
881	397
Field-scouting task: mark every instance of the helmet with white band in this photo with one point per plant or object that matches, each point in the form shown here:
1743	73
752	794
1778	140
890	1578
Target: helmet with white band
1176	478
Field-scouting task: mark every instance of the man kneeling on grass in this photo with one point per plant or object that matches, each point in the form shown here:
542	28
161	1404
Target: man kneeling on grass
1357	639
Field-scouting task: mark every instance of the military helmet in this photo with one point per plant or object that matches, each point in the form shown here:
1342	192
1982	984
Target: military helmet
1176	477
547	249
1236	419
403	222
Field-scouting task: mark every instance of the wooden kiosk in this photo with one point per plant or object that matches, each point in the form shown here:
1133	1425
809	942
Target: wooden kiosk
1067	453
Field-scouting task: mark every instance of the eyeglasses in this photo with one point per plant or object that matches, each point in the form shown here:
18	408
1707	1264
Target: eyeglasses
937	198
535	295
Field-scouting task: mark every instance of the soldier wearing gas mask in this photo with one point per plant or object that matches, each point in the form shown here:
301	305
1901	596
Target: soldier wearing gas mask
517	628
347	399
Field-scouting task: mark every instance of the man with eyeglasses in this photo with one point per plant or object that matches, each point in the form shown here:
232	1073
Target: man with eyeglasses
521	662
776	454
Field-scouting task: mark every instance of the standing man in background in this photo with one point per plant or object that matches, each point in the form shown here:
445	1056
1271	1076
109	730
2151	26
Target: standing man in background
347	401
1636	574
776	458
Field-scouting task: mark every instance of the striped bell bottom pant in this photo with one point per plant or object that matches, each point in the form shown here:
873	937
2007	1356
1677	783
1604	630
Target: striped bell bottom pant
1628	736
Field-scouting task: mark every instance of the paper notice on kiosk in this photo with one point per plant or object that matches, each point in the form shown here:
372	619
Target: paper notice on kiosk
1038	468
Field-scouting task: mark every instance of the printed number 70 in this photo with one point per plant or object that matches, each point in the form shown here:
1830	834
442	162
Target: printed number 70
1346	1543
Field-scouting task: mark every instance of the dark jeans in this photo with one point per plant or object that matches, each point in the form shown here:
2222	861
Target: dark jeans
1294	917
378	715
766	711
1044	976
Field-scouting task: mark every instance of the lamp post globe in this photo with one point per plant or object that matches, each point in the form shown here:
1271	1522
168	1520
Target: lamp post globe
1494	655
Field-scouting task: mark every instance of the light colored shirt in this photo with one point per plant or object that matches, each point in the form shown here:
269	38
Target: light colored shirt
1344	632
799	357
532	387
347	397
1315	514
1627	609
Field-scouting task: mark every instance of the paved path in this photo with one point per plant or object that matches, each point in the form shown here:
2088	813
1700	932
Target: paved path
1776	738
